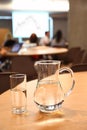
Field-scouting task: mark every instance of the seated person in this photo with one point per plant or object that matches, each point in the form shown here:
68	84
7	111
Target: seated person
33	38
31	42
9	41
58	40
45	41
4	60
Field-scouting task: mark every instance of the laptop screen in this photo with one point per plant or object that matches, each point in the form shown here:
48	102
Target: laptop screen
16	47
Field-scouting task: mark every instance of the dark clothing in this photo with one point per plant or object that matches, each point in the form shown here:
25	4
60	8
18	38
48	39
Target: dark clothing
9	43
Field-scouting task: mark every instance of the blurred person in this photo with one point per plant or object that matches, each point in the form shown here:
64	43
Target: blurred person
58	40
32	42
33	38
4	60
9	41
46	39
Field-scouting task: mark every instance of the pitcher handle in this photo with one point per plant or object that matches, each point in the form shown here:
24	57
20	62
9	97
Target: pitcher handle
67	69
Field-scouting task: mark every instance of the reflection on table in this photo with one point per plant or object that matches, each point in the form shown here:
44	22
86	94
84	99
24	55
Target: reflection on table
39	50
73	114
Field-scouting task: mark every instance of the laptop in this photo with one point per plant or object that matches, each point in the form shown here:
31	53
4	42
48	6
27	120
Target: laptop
16	47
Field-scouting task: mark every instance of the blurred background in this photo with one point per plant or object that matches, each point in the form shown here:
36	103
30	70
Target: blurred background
68	15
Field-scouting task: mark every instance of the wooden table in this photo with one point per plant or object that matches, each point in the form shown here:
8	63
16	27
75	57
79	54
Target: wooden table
73	115
39	50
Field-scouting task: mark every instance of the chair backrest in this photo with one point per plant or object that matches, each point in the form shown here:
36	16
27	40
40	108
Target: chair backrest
24	64
5	81
84	60
74	55
79	67
80	56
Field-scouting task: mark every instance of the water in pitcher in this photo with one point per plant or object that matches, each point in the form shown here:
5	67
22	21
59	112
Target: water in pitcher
19	100
48	96
51	91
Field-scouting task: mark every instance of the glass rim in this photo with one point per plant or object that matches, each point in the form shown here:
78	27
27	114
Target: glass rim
17	75
48	62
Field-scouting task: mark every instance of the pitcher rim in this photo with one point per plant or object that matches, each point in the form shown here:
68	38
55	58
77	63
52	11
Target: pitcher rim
48	61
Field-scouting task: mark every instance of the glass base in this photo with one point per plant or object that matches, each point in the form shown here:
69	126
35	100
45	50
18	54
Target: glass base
18	110
50	108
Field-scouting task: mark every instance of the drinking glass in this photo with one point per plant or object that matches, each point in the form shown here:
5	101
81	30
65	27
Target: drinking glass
18	93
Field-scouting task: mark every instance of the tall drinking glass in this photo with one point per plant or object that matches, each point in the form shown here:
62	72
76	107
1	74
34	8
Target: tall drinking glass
18	93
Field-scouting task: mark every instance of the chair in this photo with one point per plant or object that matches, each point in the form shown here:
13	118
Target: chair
5	65
74	55
79	67
5	81
24	64
84	60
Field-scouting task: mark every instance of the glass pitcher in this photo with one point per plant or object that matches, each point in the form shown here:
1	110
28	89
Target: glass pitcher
49	93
